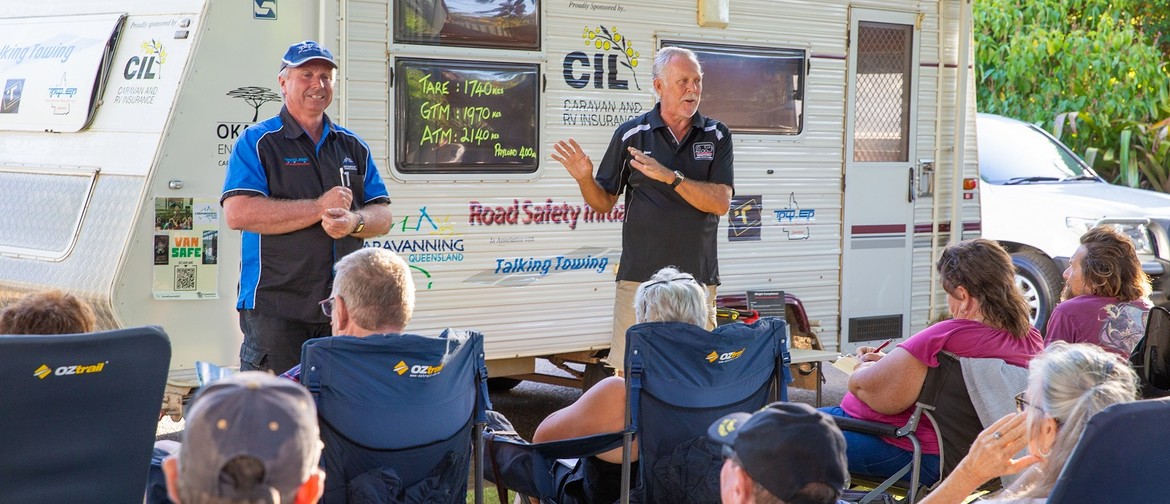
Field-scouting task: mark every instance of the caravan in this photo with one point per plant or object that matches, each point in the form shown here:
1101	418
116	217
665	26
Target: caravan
853	129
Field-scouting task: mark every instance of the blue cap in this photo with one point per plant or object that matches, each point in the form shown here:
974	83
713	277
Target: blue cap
302	52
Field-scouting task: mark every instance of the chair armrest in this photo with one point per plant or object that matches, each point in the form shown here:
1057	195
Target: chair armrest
867	427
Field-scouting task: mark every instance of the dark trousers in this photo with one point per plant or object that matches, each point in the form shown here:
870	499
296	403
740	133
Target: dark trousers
274	343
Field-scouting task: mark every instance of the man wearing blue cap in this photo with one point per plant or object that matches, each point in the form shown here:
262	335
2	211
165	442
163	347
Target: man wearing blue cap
786	453
304	192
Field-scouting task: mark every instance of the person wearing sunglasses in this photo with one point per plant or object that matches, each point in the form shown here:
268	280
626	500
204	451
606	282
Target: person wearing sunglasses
1067	385
372	294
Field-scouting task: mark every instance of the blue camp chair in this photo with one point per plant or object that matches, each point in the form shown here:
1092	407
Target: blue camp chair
679	379
1120	456
400	414
78	414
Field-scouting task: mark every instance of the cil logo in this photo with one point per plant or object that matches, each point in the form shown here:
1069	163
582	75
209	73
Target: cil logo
148	66
603	67
720	358
418	370
44	371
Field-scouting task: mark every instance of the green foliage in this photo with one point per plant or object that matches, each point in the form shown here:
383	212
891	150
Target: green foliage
1088	70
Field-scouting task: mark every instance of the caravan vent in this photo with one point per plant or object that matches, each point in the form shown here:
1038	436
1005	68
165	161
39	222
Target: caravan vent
863	329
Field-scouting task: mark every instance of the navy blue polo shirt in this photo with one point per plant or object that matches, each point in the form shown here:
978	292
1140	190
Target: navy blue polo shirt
286	275
661	229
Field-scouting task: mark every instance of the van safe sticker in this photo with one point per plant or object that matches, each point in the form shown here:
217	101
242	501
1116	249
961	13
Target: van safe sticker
186	248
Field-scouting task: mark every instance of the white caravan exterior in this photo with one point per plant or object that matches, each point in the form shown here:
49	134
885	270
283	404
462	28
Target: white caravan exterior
853	125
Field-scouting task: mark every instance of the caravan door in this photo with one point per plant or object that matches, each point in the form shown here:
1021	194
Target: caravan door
881	117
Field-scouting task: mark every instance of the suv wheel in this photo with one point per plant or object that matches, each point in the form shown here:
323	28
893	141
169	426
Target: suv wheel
1040	283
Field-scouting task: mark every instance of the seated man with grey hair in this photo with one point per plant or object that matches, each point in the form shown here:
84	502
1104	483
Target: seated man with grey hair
669	296
373	293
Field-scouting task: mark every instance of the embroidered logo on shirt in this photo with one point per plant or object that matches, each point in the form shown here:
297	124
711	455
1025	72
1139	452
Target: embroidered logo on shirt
347	167
704	151
296	161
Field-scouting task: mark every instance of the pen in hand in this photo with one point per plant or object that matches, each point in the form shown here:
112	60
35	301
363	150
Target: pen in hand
883	345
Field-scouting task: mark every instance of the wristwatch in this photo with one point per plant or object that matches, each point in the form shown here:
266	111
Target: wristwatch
360	225
678	178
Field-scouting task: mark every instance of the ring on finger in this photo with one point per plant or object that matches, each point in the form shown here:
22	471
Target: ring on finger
997	435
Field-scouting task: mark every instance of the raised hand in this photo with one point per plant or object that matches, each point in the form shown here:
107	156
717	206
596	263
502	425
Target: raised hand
650	167
570	155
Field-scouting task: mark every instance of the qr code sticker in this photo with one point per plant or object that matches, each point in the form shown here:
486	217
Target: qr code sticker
184	278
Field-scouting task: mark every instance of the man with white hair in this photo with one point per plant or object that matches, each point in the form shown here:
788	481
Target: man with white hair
675	167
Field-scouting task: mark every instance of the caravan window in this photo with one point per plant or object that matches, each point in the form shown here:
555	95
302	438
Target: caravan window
457	116
510	24
752	89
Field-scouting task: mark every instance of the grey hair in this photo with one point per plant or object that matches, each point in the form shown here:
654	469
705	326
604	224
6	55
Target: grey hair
1070	383
377	288
669	53
671	296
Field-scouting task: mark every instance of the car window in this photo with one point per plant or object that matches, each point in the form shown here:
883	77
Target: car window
1009	150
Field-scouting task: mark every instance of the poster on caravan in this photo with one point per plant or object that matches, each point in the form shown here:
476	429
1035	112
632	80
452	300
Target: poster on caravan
49	67
186	248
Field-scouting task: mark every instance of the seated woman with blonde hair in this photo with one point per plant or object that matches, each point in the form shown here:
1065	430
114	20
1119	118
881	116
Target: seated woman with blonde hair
1067	385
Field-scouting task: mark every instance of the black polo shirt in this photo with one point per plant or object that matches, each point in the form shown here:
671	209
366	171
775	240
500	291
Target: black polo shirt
661	229
286	275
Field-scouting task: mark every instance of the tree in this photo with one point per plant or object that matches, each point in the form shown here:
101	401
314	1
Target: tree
1086	70
254	96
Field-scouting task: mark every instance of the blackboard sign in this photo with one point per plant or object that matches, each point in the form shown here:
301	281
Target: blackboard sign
458	116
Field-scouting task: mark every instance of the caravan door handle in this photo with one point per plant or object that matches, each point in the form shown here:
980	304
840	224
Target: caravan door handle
910	192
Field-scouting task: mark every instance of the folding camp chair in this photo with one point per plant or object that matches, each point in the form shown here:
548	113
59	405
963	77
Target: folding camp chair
1119	457
78	414
679	379
1151	356
401	415
945	399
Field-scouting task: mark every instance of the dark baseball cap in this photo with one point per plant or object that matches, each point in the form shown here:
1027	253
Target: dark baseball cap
251	414
302	52
786	446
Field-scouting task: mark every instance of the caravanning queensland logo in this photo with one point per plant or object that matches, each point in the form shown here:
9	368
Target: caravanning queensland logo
721	358
78	369
417	370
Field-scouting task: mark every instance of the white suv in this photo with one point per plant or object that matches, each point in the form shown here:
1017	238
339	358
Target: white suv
1037	198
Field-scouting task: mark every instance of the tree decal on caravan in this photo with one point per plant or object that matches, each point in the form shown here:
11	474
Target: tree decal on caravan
254	96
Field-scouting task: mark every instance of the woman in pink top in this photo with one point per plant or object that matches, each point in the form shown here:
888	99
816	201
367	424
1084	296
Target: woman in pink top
990	320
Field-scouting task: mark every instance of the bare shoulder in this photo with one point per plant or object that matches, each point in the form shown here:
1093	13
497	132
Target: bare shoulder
600	409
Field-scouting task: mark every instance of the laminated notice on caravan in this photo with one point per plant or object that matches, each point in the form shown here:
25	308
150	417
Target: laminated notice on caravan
186	248
49	68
